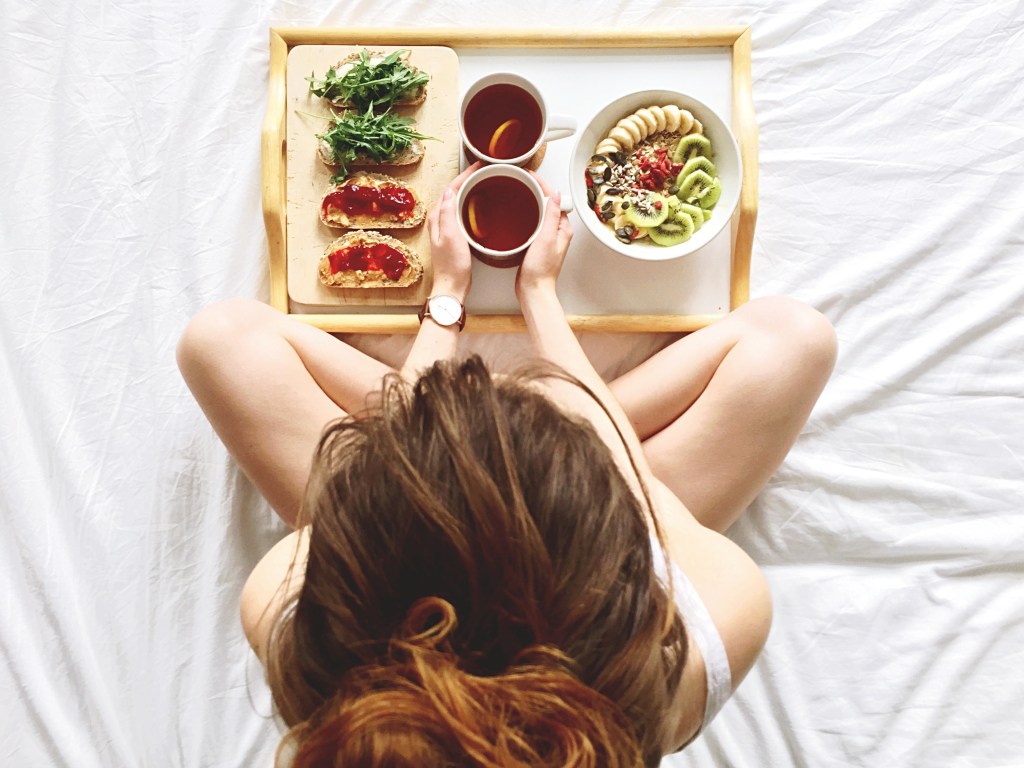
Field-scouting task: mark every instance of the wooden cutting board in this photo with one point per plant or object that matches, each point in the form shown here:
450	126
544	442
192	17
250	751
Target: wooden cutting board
308	178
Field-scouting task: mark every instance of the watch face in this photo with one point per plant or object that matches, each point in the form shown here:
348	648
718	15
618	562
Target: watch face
446	310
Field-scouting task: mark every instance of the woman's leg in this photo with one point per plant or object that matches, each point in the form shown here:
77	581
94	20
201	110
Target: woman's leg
719	409
269	384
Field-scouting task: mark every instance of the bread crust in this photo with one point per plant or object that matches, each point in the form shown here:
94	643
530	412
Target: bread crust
371	278
408	156
341	220
416	99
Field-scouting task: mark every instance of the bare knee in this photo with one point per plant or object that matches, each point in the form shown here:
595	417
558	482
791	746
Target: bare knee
794	329
216	330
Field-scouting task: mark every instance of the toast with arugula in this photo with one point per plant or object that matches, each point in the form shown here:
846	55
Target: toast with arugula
370	139
372	80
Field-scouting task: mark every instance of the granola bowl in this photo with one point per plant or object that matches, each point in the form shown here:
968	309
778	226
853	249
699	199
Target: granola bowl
628	157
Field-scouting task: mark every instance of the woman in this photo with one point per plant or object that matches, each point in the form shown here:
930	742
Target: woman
478	575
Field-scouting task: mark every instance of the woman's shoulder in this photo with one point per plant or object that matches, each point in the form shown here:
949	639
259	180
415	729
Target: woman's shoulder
275	580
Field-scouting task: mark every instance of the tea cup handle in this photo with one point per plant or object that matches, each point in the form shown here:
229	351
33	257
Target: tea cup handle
565	206
559	127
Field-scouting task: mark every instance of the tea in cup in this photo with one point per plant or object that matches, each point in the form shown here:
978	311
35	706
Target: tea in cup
501	210
503	119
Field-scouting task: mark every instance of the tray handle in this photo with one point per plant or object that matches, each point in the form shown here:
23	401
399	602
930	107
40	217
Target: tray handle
272	148
745	127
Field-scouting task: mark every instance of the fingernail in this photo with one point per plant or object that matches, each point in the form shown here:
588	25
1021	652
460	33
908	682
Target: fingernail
447	192
557	197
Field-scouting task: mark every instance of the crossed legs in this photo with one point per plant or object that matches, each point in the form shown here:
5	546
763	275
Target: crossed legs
717	410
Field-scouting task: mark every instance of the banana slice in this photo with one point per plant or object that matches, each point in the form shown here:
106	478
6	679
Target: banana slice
603	197
622	136
671	117
649	120
633	129
659	117
640	123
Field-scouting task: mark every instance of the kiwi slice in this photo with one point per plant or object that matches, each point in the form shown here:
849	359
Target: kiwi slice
694	186
699	163
695	213
672	232
690	146
647	211
658	237
710	197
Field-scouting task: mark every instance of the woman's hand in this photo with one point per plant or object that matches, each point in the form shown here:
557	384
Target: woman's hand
449	251
543	261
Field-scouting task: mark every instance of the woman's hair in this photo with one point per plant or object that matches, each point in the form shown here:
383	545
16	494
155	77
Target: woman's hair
479	589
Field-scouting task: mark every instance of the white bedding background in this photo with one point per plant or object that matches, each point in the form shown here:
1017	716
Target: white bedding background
891	198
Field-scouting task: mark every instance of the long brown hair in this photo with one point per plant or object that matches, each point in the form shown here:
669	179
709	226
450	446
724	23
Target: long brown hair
479	589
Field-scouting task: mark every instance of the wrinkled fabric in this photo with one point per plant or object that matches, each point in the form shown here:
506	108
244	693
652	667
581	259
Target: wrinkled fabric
891	181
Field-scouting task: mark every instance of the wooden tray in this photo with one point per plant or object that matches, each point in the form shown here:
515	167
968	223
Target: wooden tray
475	46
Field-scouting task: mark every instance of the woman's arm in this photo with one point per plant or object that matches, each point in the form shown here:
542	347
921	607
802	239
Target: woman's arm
273	583
555	341
452	267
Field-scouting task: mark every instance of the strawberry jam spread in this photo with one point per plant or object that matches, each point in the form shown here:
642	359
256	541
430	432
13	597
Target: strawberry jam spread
369	258
359	200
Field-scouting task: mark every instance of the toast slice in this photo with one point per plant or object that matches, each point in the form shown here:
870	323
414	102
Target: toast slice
411	99
408	156
368	259
383	202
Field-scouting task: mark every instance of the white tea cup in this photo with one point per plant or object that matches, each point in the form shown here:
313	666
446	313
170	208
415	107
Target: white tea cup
501	107
501	211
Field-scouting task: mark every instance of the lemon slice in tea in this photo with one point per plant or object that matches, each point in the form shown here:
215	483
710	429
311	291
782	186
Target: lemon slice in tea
474	220
504	139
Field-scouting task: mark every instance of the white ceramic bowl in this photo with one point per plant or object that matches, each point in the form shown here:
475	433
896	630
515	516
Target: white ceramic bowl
726	159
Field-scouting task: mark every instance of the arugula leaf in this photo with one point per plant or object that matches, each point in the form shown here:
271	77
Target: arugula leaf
380	137
367	85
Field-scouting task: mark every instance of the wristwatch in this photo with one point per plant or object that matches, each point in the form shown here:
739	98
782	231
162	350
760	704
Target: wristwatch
444	309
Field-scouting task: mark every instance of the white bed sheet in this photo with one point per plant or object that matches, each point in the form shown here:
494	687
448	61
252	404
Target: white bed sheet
891	189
